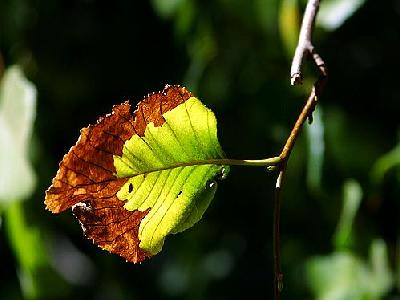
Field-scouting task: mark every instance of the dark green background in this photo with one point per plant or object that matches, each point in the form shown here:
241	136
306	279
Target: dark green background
85	56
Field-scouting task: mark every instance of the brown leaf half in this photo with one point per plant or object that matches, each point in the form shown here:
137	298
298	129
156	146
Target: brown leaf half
86	178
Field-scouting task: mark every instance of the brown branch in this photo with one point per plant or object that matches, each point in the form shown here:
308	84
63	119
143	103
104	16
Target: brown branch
304	47
304	115
278	276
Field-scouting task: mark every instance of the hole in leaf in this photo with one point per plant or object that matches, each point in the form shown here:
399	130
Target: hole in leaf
82	206
179	194
222	174
211	183
130	188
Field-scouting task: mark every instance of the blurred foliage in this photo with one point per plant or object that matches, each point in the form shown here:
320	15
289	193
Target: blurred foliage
17	112
343	275
352	196
37	277
85	55
289	25
388	162
316	150
333	13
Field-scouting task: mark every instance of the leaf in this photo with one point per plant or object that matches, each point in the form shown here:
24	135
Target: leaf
17	113
21	237
133	179
384	164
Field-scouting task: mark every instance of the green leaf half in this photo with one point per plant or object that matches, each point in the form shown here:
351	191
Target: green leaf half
176	195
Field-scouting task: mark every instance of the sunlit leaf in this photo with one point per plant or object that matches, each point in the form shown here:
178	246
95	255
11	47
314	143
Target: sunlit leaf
17	113
133	179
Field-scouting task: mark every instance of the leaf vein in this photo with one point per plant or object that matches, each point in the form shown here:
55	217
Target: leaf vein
159	201
195	133
172	202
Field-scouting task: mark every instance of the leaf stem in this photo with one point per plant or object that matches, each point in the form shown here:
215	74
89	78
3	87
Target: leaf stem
271	161
266	162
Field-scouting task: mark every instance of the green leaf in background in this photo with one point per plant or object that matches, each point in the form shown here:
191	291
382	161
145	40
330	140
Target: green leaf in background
385	163
333	13
316	150
289	20
183	13
37	276
381	276
166	8
352	194
398	266
17	113
27	245
344	276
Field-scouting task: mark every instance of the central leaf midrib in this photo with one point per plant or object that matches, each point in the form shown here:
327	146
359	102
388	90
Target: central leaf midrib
216	162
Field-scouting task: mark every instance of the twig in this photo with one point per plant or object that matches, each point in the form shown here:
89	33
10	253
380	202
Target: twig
278	276
304	47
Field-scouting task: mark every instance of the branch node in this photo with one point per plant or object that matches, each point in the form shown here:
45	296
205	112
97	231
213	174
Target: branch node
271	168
296	78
